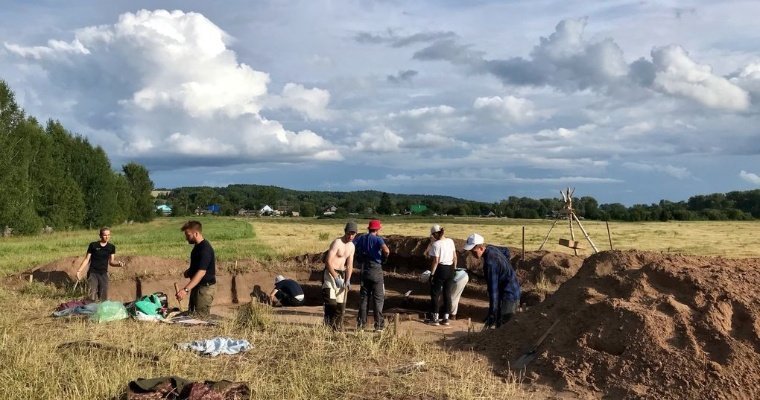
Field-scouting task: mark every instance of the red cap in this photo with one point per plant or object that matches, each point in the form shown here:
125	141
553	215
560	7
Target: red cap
374	225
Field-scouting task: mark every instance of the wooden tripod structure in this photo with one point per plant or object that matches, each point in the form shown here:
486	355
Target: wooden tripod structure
568	213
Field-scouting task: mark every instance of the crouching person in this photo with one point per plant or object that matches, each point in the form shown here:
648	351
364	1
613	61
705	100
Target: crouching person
336	278
202	271
503	287
286	292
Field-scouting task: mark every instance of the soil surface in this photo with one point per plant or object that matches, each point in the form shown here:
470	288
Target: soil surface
643	325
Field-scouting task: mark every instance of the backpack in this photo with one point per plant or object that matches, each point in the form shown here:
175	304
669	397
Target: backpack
151	304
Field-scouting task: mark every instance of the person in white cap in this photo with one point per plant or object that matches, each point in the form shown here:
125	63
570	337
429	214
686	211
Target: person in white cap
286	292
336	278
443	262
503	287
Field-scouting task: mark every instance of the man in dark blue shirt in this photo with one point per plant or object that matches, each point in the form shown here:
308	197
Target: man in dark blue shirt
503	287
370	251
287	292
202	271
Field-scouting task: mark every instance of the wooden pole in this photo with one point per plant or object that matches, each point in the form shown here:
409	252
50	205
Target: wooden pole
585	233
572	233
395	324
522	256
547	235
608	233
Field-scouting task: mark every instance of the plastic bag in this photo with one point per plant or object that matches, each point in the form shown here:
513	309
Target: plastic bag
109	311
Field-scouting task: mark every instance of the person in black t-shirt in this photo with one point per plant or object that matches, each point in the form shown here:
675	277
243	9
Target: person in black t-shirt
287	292
99	256
202	271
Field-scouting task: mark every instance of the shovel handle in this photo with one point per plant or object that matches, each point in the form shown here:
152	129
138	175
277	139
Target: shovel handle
176	290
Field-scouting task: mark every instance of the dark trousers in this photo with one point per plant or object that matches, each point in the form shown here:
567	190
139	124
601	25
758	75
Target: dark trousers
372	285
286	300
98	282
443	280
333	311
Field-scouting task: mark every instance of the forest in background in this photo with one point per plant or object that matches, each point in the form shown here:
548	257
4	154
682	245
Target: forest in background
51	178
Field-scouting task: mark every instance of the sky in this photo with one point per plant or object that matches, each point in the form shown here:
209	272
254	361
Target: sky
626	101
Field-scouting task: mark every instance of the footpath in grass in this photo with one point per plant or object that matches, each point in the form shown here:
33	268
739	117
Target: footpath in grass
232	239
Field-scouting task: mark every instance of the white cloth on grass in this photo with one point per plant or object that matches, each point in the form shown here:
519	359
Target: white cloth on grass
215	346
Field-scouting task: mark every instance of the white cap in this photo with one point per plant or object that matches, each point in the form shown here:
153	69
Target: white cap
279	278
473	240
435	229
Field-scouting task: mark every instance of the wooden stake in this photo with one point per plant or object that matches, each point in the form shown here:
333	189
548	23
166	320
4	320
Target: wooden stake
547	235
522	256
608	233
585	233
395	324
572	233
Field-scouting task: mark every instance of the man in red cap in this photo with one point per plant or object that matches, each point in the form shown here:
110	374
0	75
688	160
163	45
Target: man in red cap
370	251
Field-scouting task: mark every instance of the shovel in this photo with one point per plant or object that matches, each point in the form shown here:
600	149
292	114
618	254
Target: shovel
531	354
176	290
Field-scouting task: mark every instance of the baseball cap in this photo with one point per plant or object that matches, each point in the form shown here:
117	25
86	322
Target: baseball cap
473	240
279	278
351	227
435	229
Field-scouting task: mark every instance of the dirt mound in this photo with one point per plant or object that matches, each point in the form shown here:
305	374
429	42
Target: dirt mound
637	324
540	273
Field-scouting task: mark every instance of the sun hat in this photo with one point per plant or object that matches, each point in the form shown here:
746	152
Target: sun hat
473	240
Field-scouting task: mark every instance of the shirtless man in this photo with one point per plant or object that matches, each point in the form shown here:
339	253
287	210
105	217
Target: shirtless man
339	265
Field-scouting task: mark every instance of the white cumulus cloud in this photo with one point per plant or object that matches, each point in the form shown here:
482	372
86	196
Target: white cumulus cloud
677	74
166	83
750	177
508	109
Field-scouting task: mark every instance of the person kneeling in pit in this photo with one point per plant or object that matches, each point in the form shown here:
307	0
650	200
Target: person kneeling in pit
336	278
286	293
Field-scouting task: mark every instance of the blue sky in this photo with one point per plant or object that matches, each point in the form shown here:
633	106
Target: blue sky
627	101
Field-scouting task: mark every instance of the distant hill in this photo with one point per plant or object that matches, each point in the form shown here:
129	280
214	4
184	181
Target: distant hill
233	199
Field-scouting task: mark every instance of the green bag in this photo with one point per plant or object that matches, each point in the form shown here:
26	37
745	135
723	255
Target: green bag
148	305
109	311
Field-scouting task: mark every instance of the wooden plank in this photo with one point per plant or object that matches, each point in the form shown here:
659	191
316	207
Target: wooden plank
570	243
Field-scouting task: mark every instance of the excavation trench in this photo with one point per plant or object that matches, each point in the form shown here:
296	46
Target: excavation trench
540	273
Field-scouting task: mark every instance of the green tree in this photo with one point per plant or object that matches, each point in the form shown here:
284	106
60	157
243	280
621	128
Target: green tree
385	207
308	209
140	187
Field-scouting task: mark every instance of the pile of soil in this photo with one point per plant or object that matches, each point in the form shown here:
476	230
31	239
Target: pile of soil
642	324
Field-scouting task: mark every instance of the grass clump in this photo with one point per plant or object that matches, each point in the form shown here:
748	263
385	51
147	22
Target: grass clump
253	317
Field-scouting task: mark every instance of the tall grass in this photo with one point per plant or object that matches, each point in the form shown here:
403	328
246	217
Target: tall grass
287	361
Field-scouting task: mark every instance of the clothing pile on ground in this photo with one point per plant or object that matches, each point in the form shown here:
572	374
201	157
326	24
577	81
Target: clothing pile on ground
153	308
174	388
216	346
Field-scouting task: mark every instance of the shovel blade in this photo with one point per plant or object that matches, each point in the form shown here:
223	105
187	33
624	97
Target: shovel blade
524	360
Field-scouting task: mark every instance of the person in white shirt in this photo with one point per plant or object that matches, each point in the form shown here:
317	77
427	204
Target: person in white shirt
442	265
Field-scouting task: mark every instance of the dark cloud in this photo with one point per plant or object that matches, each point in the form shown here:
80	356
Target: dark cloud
394	40
402	76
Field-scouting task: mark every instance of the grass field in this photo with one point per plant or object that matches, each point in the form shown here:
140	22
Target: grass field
729	239
232	239
272	238
288	361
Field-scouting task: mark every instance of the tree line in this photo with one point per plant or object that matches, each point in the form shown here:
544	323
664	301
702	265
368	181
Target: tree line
50	177
738	205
